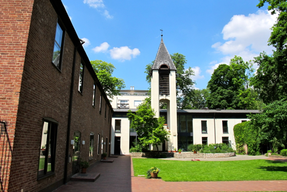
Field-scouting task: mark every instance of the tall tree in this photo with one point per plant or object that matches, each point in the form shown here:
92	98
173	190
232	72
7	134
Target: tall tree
272	124
184	82
271	77
229	85
104	70
199	99
149	129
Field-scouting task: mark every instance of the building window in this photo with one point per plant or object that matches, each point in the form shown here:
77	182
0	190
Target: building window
137	102
107	144
94	95
100	106
182	122
224	127
81	78
204	141
99	143
57	52
123	104
118	126
48	148
203	127
106	110
91	149
225	140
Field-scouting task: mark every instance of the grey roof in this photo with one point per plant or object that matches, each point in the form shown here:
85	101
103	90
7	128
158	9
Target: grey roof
163	57
216	111
236	111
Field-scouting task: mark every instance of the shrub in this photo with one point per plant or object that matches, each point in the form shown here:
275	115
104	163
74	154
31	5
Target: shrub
283	152
137	148
190	147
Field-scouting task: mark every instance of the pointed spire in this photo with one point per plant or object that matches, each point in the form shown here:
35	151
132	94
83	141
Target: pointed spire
163	57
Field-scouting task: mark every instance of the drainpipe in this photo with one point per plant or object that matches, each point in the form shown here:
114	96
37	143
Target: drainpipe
69	117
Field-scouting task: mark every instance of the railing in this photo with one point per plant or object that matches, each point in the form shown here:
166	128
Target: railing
5	157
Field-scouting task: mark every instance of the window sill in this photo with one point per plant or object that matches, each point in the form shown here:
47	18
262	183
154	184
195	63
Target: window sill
45	176
59	69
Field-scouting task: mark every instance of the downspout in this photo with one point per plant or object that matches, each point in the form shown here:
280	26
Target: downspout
214	128
69	117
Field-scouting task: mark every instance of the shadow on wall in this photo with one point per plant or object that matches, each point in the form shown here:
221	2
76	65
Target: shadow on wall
5	155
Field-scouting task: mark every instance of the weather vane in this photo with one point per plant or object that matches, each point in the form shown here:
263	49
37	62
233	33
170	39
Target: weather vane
161	33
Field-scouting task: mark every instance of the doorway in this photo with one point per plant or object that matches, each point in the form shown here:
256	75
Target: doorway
117	146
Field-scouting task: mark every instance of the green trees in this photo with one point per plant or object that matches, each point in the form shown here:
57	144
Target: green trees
149	129
198	100
184	82
229	86
272	123
271	78
245	134
104	70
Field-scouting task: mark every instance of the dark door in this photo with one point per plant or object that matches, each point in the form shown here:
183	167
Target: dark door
117	146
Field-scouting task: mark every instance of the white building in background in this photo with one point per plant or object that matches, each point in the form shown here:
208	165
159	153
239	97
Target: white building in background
202	126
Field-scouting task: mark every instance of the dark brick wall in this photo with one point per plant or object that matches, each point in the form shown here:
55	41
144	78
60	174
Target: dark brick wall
44	92
15	19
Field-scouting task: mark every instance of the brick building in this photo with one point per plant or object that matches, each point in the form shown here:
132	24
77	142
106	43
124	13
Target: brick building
53	109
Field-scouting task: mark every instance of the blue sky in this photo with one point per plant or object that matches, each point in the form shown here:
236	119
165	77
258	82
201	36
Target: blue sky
127	33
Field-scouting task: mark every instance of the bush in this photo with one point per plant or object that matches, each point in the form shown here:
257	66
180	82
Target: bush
190	147
137	148
283	152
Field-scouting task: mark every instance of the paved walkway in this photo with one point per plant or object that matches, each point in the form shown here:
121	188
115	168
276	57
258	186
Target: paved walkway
118	176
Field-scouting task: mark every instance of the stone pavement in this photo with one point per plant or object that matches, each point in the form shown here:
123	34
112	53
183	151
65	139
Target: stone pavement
118	176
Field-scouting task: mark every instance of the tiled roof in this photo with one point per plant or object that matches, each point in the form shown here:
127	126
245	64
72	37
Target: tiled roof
163	57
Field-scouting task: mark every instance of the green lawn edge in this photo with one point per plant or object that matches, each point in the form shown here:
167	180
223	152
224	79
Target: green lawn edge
247	170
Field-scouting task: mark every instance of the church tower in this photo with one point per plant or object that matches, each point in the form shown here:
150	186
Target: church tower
163	89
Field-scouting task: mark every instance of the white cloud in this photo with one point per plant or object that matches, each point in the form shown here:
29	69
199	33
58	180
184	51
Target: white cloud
99	5
102	48
87	42
197	72
124	53
95	3
106	13
245	36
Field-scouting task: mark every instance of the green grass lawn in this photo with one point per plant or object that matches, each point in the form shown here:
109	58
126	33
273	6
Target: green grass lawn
213	170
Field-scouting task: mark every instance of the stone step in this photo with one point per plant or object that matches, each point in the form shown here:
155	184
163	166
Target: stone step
90	177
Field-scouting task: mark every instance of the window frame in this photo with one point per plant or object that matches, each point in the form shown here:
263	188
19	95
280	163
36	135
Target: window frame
100	105
206	140
118	120
99	144
227	140
205	127
223	128
59	65
92	144
51	141
94	95
81	77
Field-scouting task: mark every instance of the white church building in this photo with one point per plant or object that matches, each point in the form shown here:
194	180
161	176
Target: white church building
187	126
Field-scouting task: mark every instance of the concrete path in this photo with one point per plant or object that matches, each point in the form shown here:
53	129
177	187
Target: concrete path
114	176
118	176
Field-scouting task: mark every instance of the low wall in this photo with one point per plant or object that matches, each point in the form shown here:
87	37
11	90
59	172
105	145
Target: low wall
184	154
